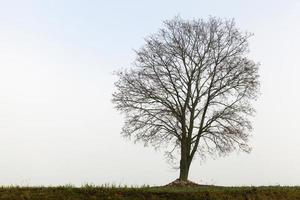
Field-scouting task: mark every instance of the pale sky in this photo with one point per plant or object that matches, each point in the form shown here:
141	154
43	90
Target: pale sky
58	125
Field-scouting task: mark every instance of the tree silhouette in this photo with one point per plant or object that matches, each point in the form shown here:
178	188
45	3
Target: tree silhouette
190	88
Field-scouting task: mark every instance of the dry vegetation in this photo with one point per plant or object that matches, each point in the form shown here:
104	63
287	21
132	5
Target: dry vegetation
153	193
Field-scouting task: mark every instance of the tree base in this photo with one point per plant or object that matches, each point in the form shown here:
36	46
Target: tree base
179	183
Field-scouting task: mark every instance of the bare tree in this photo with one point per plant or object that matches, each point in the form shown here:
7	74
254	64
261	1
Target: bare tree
190	88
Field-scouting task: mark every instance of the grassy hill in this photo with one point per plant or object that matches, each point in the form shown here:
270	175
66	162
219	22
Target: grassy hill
151	193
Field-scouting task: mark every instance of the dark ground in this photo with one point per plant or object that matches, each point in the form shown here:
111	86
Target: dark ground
170	192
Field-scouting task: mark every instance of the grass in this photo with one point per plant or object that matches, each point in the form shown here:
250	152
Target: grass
113	192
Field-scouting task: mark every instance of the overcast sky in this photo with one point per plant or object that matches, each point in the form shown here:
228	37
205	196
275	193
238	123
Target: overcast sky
58	125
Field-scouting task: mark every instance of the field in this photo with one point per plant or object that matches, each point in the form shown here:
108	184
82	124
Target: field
152	193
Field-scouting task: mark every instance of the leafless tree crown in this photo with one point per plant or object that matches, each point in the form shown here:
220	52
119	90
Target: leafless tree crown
191	84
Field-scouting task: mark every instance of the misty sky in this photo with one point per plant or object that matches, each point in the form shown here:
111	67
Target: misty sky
58	125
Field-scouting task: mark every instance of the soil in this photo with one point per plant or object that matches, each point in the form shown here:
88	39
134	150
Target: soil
179	183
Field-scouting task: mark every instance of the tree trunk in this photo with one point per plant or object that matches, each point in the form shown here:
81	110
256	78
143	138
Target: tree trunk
184	171
184	163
